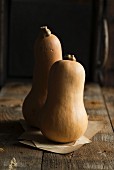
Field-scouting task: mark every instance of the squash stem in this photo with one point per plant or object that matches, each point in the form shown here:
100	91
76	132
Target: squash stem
70	57
45	31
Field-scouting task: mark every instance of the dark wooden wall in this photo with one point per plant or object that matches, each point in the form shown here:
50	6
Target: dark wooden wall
109	70
3	39
71	21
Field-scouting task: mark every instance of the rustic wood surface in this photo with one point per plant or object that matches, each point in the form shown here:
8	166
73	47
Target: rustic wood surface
99	154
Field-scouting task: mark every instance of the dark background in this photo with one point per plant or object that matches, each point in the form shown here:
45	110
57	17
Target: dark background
77	23
70	21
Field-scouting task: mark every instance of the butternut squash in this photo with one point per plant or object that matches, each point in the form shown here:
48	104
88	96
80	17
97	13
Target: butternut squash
47	50
63	117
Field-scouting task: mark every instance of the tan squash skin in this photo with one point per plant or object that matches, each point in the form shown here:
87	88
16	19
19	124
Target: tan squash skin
47	50
64	117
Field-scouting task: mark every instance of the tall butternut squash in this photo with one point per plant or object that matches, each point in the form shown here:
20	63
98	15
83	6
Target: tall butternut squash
47	50
64	118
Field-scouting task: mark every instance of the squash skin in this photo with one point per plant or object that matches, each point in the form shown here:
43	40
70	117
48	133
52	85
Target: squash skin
64	118
47	50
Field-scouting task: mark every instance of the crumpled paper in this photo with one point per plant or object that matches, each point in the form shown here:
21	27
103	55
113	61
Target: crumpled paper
33	137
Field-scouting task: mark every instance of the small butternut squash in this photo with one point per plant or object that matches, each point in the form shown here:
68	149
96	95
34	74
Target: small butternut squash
47	50
64	118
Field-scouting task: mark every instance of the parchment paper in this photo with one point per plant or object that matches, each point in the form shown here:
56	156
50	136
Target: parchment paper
33	137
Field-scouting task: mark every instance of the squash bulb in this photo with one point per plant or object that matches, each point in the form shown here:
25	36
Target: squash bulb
47	50
64	118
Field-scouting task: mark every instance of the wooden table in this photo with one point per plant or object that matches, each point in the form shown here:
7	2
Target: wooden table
99	154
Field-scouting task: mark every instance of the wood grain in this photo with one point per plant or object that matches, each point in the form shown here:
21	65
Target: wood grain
15	90
99	154
11	98
95	106
108	94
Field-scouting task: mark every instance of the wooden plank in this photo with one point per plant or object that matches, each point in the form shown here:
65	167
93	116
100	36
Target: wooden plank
95	106
108	94
26	157
100	153
97	155
15	90
11	98
53	161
